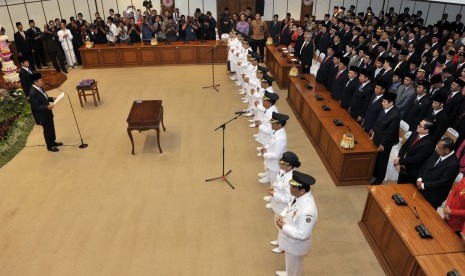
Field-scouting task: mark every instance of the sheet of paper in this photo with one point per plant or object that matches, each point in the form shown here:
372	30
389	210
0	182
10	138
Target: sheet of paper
57	99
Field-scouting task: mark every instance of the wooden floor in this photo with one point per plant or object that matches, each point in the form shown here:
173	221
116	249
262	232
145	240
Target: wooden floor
103	211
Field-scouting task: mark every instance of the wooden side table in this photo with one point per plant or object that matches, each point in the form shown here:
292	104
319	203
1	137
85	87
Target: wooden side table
145	115
84	91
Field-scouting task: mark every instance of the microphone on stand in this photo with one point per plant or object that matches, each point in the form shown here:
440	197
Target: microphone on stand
240	112
82	146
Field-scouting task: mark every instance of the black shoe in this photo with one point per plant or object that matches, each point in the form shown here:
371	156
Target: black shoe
57	144
53	149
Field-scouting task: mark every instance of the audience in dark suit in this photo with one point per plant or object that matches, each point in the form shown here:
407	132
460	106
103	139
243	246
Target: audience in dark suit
341	79
385	134
438	173
414	153
23	45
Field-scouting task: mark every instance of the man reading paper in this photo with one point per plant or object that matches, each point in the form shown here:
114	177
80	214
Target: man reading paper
42	105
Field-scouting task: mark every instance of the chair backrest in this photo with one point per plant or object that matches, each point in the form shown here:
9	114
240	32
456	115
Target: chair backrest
321	57
403	129
452	134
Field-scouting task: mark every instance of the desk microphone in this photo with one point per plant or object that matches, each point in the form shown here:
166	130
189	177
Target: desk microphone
421	228
82	146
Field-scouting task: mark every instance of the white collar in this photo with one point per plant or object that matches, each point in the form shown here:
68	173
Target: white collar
447	156
387	110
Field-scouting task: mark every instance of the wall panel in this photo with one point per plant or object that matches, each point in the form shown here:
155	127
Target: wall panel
435	13
269	10
280	8
51	10
36	13
422	6
453	10
406	4
18	14
6	23
294	8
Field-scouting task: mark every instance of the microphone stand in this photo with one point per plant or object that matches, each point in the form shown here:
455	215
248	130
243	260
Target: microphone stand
212	50
223	175
82	146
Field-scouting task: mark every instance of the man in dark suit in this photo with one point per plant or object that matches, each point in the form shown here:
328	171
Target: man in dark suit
300	39
420	106
26	83
350	87
362	95
460	66
437	87
81	22
443	23
414	152
388	71
305	53
35	36
402	64
457	25
323	72
438	173
42	105
385	134
439	118
374	106
455	98
333	71
275	29
25	76
23	46
340	79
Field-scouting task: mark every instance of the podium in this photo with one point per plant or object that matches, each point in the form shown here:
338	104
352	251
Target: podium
390	231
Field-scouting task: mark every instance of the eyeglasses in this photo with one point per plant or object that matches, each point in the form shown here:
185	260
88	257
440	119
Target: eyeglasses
421	126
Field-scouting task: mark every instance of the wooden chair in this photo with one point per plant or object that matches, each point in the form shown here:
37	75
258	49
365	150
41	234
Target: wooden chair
452	134
404	134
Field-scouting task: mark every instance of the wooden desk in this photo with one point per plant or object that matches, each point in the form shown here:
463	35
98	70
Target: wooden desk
145	115
440	264
196	52
278	65
346	166
390	230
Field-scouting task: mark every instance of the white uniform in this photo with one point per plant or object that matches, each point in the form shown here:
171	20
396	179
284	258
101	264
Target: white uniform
113	33
274	150
296	236
67	45
281	194
265	130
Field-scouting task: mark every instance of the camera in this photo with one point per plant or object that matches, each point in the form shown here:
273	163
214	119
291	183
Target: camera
147	4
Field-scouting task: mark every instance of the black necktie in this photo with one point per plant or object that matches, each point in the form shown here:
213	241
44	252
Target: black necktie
295	199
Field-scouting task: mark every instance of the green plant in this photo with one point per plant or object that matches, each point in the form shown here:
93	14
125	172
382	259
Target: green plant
16	123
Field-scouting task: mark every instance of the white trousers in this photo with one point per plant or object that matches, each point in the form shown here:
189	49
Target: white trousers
272	175
294	264
70	57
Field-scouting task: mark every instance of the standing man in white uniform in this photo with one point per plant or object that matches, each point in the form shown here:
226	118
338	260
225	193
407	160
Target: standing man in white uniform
265	111
273	151
297	222
66	39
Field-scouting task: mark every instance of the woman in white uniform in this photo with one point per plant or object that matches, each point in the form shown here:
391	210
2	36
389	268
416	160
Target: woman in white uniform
279	191
297	222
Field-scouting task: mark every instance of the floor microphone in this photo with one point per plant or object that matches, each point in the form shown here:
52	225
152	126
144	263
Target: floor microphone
240	112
